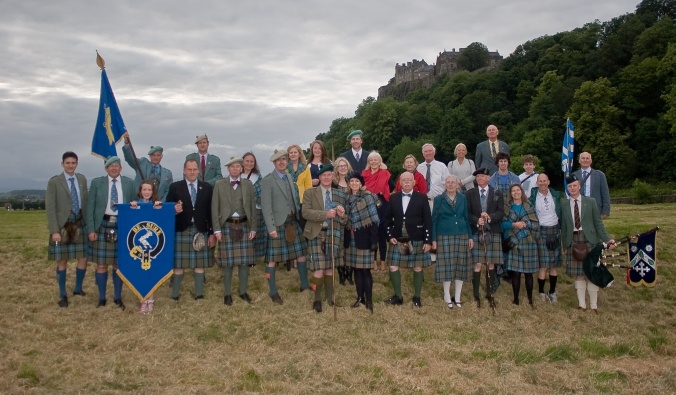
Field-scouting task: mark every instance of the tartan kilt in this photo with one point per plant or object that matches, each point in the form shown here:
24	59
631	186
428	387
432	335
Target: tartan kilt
64	252
418	258
549	259
104	252
278	250
358	259
185	257
494	249
453	258
523	258
318	260
573	267
236	253
261	239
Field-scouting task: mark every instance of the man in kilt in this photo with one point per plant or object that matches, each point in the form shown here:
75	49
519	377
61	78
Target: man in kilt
233	213
150	168
408	222
485	207
194	240
581	224
280	206
64	203
324	211
104	194
547	203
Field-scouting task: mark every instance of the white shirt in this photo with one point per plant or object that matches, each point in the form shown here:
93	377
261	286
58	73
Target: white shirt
360	152
77	187
438	175
586	187
234	187
545	209
571	201
120	197
405	200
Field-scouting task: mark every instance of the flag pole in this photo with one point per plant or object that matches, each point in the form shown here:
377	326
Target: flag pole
127	141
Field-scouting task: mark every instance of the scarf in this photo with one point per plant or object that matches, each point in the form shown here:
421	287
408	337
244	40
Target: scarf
377	182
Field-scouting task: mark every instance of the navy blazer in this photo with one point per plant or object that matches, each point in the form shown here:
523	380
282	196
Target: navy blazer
494	208
201	213
417	219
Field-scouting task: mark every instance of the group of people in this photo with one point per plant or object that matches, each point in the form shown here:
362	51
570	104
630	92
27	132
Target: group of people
347	214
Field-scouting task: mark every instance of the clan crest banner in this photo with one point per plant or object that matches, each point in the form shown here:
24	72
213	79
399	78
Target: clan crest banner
642	259
145	246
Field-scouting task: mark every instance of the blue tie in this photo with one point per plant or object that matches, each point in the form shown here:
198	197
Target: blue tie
357	156
113	196
584	182
75	200
156	172
193	194
328	205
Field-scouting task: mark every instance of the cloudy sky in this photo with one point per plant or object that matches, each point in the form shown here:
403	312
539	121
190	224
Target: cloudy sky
251	74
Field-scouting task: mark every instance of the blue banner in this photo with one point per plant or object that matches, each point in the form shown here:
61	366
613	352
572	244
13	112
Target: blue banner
145	246
642	259
109	124
568	152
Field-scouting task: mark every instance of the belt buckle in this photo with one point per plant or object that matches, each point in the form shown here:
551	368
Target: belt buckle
112	218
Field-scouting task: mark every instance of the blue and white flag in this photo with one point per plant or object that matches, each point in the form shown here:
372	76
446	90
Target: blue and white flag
110	127
568	152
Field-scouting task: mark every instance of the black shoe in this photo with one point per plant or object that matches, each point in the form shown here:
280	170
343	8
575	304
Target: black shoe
478	301
119	304
277	299
515	301
199	297
175	298
245	297
303	289
369	305
341	275
101	303
357	302
63	302
81	293
227	300
395	300
416	302
317	306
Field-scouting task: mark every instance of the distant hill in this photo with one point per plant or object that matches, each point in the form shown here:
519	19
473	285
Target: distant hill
24	194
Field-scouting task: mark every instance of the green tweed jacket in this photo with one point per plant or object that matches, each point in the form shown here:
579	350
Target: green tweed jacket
98	198
58	200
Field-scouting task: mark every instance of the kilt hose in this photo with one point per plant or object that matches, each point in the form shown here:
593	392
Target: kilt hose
185	257
66	251
494	249
573	267
549	259
417	257
105	252
236	253
317	260
358	259
523	258
279	250
453	258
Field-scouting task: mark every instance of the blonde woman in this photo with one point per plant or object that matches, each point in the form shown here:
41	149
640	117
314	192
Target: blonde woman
377	180
462	168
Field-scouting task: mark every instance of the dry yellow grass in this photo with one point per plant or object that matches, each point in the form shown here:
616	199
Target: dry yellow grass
205	347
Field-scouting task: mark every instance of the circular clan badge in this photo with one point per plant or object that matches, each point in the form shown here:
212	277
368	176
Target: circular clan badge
145	242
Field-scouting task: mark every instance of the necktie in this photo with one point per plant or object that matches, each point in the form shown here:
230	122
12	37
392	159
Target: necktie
428	176
154	173
357	156
328	205
75	201
203	166
576	215
113	196
407	194
493	150
284	177
233	183
584	182
483	200
193	194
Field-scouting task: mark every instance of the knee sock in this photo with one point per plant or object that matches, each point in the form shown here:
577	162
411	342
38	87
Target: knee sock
270	276
476	283
302	274
117	286
593	291
447	291
359	282
61	280
328	286
199	284
227	280
580	288
552	283
101	280
516	285
368	285
529	286
243	274
317	285
79	278
418	278
395	278
458	290
176	285
541	285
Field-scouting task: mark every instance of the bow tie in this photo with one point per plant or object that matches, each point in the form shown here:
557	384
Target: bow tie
233	183
407	194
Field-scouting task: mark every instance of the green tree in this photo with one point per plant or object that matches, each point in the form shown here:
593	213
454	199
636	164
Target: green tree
474	57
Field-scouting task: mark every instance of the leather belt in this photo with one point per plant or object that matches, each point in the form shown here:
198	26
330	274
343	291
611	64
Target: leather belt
239	220
110	218
577	232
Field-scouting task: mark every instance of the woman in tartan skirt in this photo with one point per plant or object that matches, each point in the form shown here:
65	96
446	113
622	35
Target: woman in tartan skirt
341	180
520	230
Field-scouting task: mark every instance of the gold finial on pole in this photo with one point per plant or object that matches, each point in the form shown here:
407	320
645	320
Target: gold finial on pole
99	61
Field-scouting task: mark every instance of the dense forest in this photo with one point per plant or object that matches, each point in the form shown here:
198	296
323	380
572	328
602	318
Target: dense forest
615	80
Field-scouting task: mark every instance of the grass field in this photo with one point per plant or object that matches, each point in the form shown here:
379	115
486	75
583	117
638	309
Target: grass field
205	347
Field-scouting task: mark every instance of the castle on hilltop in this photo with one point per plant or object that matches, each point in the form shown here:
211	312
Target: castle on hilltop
419	74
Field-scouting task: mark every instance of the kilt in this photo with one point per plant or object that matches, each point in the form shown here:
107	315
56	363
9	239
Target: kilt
523	258
261	239
185	257
549	259
417	258
453	258
318	260
236	253
64	252
104	252
573	267
278	250
494	248
358	259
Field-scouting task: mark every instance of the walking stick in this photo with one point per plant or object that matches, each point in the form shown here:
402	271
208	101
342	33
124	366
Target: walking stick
489	284
333	270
